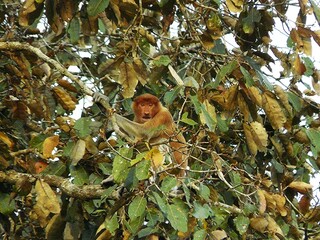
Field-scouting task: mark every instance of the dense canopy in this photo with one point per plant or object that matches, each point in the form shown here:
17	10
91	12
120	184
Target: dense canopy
240	79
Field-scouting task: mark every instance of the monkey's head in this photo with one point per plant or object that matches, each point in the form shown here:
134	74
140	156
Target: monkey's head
145	107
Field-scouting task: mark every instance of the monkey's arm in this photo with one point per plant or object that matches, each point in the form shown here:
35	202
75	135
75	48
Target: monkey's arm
131	128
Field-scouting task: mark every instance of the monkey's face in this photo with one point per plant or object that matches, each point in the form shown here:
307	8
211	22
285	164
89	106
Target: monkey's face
147	111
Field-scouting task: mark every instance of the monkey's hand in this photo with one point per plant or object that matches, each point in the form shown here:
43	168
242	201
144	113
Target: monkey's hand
102	99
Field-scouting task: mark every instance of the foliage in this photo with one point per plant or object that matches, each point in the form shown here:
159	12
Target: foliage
253	134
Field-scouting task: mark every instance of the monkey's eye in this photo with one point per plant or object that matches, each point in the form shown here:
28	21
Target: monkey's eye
142	104
150	104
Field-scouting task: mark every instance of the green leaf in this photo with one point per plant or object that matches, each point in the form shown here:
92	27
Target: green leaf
314	136
236	180
82	125
112	224
105	167
161	202
137	207
74	30
170	96
247	77
261	76
295	100
37	141
191	82
55	168
187	120
201	211
204	192
222	124
142	169
316	10
309	66
163	60
79	174
208	118
242	224
177	217
168	184
143	233
97	6
7	205
154	216
224	71
200	235
279	168
121	166
248	23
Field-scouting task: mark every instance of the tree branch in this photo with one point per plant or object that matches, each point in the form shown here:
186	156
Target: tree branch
64	184
8	46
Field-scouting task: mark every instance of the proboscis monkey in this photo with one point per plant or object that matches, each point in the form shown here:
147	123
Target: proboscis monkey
154	123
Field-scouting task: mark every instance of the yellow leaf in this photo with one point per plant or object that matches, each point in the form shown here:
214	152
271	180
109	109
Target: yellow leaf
259	223
5	139
259	135
78	151
49	144
298	66
273	110
300	187
255	95
156	157
211	111
47	202
235	5
253	148
280	201
274	228
90	145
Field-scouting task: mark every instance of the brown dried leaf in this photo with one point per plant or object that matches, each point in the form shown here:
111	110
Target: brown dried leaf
219	235
64	98
262	201
313	215
67	10
283	98
127	79
49	144
140	70
67	85
316	85
273	110
244	108
300	187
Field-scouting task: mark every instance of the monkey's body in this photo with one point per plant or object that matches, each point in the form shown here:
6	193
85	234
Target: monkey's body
154	123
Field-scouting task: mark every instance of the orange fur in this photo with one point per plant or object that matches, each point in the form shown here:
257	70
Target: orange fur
157	119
